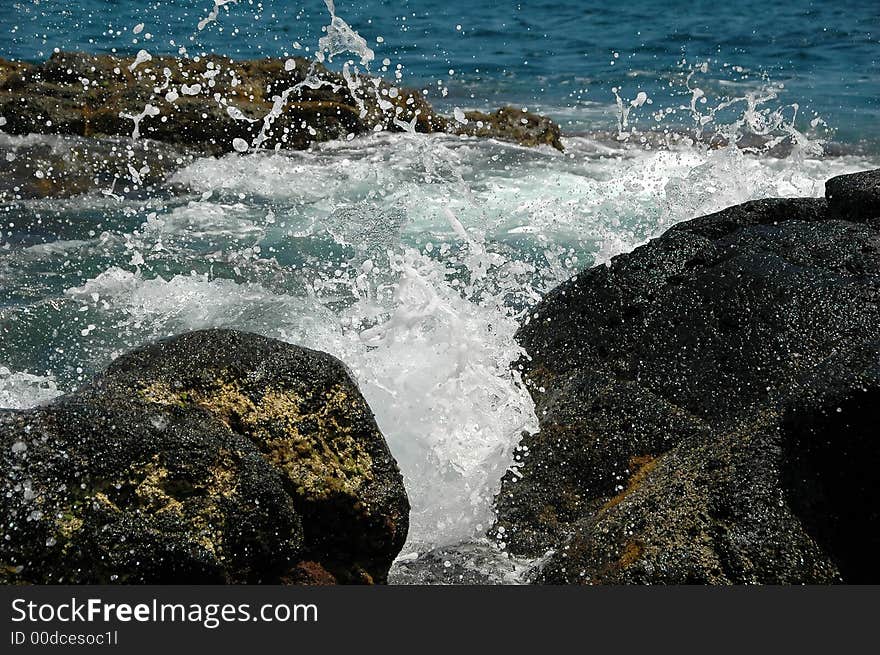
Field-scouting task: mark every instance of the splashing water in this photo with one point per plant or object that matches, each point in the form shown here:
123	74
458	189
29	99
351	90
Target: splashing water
22	390
149	111
410	257
341	38
214	13
360	249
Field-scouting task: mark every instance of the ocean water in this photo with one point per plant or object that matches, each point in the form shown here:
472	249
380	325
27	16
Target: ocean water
413	257
562	57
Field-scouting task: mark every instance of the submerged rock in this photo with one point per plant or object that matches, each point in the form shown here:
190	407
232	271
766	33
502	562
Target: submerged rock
213	457
708	404
210	103
53	166
511	124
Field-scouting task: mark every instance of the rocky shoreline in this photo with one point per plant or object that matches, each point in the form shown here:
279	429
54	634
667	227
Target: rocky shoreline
159	113
707	405
707	402
212	457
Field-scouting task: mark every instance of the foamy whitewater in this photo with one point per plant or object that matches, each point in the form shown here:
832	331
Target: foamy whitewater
412	258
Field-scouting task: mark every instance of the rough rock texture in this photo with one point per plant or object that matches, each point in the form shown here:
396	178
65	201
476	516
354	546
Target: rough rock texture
855	195
709	404
213	457
512	124
215	100
476	562
65	166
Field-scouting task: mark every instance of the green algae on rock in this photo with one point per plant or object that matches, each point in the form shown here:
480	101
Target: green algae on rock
213	457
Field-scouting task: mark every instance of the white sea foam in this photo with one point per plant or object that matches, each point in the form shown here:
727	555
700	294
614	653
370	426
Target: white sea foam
434	368
20	390
410	257
590	196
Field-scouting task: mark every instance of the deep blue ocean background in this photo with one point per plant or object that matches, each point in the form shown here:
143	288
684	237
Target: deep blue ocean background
562	57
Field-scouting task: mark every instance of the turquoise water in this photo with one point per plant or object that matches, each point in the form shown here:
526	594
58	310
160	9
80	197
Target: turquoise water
411	257
562	57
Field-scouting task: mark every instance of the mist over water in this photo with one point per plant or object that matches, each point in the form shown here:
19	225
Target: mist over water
413	257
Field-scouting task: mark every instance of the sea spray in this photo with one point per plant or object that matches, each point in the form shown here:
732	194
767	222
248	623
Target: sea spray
410	257
214	13
359	249
23	390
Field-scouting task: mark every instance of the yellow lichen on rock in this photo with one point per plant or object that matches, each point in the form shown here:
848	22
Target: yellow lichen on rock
224	476
160	393
150	490
315	449
641	467
102	499
322	460
224	399
200	517
631	553
68	524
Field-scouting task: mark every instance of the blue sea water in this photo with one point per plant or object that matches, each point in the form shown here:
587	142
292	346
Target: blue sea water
562	56
414	257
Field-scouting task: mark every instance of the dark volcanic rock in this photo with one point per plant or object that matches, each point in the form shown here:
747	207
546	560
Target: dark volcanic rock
212	457
856	195
208	103
708	404
473	563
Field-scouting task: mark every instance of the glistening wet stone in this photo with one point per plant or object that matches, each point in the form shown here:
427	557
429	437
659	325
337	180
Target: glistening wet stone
213	457
708	404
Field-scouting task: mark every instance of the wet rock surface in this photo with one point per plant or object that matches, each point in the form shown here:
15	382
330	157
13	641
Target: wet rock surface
213	457
855	195
207	104
512	124
55	166
708	404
